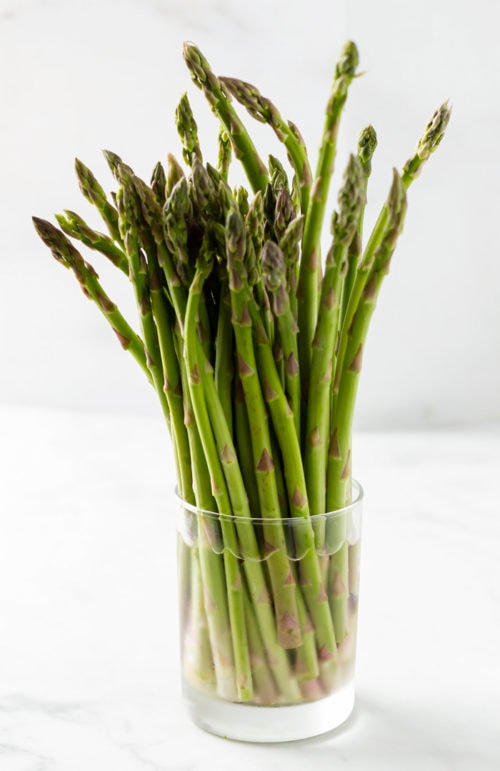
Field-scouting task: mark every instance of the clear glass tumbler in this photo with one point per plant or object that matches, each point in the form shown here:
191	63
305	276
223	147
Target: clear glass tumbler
268	617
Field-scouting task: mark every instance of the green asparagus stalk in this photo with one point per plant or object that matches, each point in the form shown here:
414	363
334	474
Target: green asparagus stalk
339	461
255	239
249	549
310	260
262	109
290	246
76	227
338	577
351	200
283	421
428	143
216	458
283	581
225	153
266	692
201	651
306	658
279	179
284	213
143	217
138	274
172	374
220	102
178	212
367	145
174	174
243	447
224	364
131	225
159	183
65	253
188	131
94	193
211	562
273	263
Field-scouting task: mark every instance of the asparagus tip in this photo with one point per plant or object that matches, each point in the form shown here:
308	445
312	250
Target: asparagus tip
187	130
235	235
367	144
197	64
113	160
349	60
396	200
434	131
430	140
62	250
273	266
351	198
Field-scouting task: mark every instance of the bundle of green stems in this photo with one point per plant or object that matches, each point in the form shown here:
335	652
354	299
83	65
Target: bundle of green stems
253	344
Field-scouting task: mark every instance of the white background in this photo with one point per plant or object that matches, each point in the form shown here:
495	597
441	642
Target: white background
79	76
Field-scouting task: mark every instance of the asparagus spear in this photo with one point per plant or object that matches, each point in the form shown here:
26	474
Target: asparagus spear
339	459
94	193
243	448
177	214
310	260
129	227
282	577
351	200
284	213
264	110
140	221
65	253
430	140
188	131
199	648
159	183
211	562
245	315
290	246
427	144
254	222
215	458
273	264
283	421
306	658
279	179
224	364
225	153
367	145
252	558
266	692
174	174
74	225
220	102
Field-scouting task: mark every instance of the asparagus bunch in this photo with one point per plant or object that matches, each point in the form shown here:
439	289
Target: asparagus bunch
254	349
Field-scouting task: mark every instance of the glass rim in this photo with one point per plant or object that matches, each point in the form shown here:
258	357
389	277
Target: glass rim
358	495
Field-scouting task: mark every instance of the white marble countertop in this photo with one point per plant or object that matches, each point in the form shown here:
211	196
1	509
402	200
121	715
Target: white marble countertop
89	679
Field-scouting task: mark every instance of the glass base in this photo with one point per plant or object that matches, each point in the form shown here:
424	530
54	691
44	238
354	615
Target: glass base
249	723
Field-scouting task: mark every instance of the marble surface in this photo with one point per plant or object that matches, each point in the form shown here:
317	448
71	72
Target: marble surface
89	679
